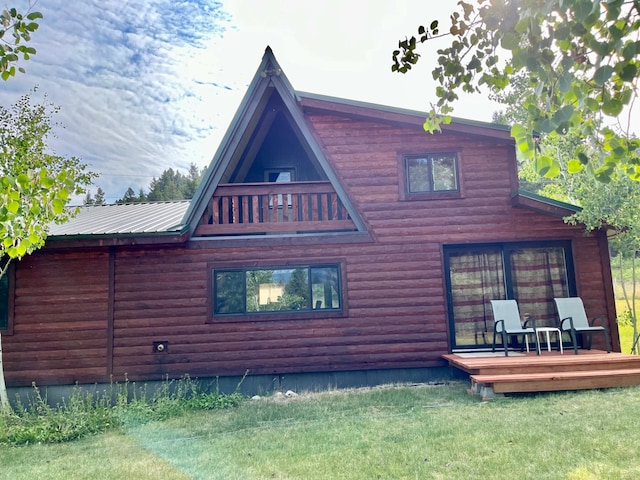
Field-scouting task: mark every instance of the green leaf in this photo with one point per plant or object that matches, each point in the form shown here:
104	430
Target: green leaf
630	49
23	179
510	41
58	206
574	166
564	114
13	206
602	75
627	72
543	164
584	160
603	174
518	131
612	107
21	249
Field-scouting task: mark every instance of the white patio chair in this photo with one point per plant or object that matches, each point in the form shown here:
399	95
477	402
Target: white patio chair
506	322
573	319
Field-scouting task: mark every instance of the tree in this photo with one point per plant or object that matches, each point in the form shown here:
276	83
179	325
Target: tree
99	199
608	205
614	206
171	185
35	186
19	28
581	59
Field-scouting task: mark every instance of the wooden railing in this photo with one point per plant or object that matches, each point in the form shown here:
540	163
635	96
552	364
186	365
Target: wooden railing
262	208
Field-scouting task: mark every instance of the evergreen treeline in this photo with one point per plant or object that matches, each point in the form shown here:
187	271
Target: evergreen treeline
171	185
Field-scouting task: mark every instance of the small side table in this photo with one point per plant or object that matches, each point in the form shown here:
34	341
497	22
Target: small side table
547	331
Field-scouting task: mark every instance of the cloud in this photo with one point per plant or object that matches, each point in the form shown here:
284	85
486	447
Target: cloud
147	85
116	68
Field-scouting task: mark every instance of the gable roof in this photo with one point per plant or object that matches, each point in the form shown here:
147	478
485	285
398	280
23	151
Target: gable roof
269	78
176	221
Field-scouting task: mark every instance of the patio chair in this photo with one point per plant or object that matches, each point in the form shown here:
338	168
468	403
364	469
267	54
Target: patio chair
573	319
506	322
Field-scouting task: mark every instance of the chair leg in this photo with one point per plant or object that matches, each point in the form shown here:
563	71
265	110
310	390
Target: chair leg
494	341
572	332
505	343
537	343
607	340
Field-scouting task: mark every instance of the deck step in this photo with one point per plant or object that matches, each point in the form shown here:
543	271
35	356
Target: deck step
556	381
586	361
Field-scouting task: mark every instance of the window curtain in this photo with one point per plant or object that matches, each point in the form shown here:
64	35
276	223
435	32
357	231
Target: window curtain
538	275
476	278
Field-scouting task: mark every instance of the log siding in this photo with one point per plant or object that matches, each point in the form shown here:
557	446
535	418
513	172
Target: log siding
94	314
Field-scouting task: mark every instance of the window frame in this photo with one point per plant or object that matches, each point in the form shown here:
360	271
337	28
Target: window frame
10	277
505	248
403	172
340	264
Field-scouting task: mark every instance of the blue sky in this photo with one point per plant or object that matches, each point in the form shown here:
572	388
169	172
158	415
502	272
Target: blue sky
146	85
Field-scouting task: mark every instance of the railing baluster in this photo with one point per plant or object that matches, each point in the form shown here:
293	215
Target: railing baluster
313	205
224	217
245	209
255	208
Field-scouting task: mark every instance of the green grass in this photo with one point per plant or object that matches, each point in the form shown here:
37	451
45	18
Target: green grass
423	432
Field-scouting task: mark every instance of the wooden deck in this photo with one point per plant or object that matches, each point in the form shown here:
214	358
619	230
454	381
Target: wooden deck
493	375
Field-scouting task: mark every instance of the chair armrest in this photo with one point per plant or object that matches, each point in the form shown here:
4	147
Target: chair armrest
601	319
495	325
531	321
562	327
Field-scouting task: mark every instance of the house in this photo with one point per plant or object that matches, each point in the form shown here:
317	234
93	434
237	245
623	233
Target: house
330	242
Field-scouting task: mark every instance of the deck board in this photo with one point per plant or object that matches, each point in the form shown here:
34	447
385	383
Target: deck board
550	371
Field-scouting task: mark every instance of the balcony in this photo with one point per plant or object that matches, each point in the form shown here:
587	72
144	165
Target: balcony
274	208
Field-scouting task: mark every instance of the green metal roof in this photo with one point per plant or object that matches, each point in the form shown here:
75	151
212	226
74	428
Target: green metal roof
152	218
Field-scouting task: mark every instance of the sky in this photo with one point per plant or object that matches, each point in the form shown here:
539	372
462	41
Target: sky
147	85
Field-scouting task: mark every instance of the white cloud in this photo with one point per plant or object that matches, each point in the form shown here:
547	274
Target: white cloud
145	85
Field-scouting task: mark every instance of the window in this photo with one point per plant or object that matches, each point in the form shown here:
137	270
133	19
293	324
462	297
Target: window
279	289
282	175
4	300
531	273
431	173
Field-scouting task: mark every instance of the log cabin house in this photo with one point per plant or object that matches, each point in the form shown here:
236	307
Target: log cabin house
330	242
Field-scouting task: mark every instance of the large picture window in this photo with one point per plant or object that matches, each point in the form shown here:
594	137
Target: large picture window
279	289
532	273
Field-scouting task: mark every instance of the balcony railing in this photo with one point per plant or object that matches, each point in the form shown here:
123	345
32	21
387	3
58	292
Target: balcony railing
270	208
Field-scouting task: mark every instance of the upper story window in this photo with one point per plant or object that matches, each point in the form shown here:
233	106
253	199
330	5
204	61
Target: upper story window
303	288
430	175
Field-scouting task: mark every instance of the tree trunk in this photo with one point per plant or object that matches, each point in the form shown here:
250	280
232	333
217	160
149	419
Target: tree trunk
4	398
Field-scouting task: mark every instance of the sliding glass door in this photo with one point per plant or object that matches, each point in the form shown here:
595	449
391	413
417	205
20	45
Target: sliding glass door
531	273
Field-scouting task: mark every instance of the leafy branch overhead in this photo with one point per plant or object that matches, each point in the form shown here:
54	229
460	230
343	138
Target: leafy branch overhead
15	30
581	59
35	185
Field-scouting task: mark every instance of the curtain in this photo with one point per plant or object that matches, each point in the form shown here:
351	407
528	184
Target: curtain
538	275
476	278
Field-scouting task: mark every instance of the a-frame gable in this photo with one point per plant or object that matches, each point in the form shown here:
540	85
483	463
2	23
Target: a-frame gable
270	102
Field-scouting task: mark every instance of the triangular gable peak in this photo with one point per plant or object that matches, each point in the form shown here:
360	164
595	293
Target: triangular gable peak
269	175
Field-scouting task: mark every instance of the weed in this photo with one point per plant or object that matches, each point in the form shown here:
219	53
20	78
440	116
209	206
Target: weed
121	405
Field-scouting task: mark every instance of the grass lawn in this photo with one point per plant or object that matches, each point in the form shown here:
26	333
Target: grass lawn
410	432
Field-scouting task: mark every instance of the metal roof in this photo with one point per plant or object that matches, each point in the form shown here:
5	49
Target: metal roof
402	111
125	219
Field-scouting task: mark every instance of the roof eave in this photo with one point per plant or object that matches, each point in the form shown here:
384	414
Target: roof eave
548	206
118	239
311	102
